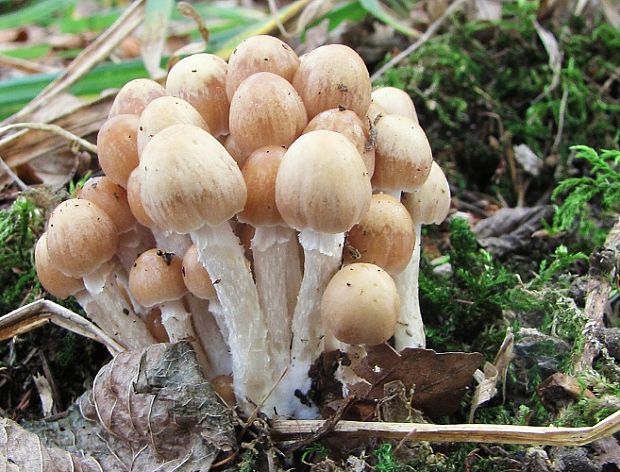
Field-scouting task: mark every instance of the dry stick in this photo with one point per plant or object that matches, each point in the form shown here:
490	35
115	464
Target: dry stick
41	312
94	53
5	167
478	433
52	129
603	264
431	30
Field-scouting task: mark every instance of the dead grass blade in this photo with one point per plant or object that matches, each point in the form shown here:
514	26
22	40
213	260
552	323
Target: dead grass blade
86	60
25	145
287	430
41	312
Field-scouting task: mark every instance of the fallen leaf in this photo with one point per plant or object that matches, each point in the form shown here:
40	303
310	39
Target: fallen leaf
511	229
560	390
531	163
45	394
149	409
438	380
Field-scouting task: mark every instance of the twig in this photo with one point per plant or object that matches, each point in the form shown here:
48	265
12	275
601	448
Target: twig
325	428
94	53
20	183
561	117
603	263
41	312
430	31
52	129
283	430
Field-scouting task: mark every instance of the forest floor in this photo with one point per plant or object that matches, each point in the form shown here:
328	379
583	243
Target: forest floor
522	110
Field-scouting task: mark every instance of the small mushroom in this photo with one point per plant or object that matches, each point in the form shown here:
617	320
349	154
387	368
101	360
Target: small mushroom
361	305
427	204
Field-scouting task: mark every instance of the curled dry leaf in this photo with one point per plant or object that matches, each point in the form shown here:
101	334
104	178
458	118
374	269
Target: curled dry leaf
438	380
492	374
511	229
149	409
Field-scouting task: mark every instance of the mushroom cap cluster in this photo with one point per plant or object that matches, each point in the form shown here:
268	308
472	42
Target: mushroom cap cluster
263	140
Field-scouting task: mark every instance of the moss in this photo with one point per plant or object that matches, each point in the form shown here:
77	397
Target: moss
485	86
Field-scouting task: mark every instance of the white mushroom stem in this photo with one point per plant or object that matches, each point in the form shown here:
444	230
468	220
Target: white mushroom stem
116	317
131	244
170	241
210	335
410	327
221	254
178	323
322	258
269	250
293	274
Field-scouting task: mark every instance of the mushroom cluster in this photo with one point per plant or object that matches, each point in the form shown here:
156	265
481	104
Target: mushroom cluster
266	210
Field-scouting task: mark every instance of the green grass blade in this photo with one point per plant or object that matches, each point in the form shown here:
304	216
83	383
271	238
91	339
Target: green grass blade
40	13
376	9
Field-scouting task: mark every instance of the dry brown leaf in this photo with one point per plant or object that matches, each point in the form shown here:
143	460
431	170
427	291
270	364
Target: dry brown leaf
438	380
149	409
45	393
24	146
560	390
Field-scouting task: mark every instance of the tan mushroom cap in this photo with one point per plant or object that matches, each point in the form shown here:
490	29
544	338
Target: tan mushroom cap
133	97
260	171
361	305
156	277
188	179
429	203
403	155
164	112
261	53
266	110
111	198
385	236
117	147
333	76
80	237
52	280
322	183
238	154
395	102
134	201
195	276
350	125
200	79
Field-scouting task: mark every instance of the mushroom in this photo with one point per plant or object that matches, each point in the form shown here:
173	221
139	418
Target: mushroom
385	236
266	110
333	76
260	53
81	239
209	318
270	248
350	125
156	280
164	112
134	96
190	184
361	305
166	240
403	155
322	190
201	80
427	204
394	101
117	147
